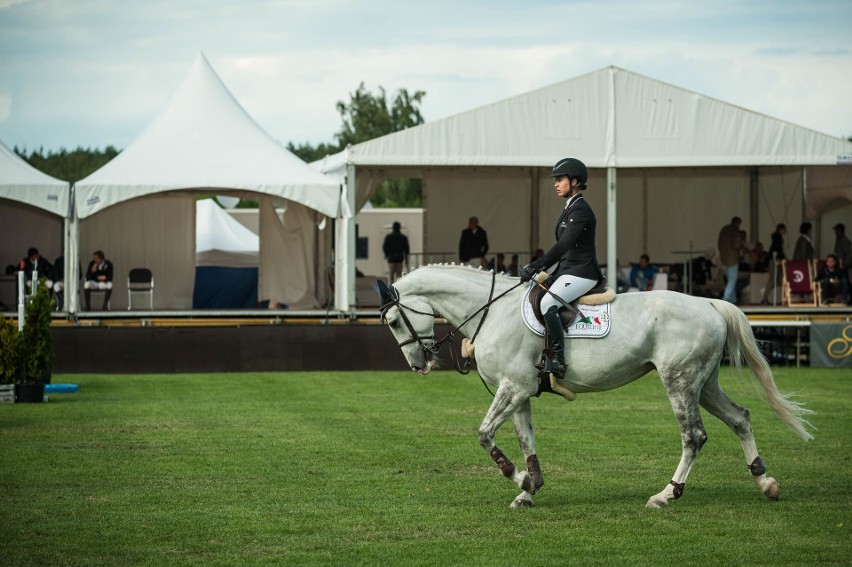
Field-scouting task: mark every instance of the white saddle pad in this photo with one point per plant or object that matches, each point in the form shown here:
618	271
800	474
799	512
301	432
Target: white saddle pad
597	327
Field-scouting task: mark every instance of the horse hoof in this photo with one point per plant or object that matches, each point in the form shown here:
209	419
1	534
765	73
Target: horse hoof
656	504
521	503
772	489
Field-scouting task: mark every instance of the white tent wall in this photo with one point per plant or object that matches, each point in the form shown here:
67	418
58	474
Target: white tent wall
499	197
287	273
155	232
23	226
319	253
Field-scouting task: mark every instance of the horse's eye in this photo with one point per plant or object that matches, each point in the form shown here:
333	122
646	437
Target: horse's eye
393	324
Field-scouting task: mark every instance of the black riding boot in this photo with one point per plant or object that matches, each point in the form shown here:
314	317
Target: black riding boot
88	295
107	295
557	341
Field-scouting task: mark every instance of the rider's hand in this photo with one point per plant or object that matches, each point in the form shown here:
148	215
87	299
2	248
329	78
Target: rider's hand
527	273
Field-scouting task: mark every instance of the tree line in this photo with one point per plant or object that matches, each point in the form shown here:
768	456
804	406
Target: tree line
364	117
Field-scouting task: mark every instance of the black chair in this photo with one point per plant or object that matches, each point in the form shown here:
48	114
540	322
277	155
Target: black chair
140	281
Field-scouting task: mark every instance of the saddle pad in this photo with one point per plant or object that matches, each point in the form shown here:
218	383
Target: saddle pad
598	315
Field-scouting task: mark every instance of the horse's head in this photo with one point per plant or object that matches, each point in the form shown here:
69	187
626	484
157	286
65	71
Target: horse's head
412	324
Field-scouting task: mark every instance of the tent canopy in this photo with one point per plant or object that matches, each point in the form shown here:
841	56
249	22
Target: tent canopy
203	139
611	118
21	182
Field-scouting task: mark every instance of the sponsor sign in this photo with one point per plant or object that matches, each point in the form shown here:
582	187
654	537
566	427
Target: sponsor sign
831	345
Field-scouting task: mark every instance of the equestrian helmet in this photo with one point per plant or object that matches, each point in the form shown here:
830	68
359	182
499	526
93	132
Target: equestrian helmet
571	167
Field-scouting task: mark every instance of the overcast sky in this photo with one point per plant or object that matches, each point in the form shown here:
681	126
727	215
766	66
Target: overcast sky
93	73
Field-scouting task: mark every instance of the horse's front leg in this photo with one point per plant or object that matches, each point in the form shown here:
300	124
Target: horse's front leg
526	440
506	402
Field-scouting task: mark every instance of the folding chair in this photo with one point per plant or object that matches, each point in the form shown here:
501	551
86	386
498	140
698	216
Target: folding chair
798	283
140	281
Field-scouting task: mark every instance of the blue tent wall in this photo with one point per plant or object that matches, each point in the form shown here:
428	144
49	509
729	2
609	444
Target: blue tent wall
224	288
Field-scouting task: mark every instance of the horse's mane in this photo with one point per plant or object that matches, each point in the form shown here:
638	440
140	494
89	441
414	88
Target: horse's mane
458	267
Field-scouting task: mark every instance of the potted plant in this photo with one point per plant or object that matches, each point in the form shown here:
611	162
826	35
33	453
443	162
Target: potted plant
35	347
10	365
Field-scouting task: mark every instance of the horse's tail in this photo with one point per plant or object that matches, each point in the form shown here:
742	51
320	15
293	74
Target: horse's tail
743	346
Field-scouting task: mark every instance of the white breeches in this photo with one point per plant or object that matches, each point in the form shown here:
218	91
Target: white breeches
90	284
47	283
567	287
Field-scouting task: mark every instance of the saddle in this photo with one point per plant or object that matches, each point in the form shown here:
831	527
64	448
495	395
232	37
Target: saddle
598	295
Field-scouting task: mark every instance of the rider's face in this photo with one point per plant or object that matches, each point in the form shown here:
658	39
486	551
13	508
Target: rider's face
563	186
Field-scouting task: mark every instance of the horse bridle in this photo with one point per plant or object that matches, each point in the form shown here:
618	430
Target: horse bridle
433	345
428	343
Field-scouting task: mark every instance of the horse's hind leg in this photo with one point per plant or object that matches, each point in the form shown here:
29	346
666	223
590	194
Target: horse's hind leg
506	402
684	402
736	417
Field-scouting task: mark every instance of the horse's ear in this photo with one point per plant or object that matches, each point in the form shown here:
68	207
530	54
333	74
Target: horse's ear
384	292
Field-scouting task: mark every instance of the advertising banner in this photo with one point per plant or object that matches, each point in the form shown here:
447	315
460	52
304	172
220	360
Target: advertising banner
831	345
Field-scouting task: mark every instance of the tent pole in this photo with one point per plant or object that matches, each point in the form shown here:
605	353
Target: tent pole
535	190
344	253
72	258
611	257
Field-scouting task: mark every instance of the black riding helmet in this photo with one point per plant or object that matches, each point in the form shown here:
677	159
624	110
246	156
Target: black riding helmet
571	167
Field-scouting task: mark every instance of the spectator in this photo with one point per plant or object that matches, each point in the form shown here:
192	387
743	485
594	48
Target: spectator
642	274
833	279
730	246
804	249
498	265
776	253
758	258
512	268
396	252
473	244
99	277
843	250
33	262
537	254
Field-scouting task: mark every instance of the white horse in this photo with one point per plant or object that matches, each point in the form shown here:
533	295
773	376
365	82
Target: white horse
680	336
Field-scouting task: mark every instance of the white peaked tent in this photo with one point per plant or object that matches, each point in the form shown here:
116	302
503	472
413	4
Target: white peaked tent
681	164
141	204
33	210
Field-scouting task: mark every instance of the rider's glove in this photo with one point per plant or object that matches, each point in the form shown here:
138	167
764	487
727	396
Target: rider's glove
527	273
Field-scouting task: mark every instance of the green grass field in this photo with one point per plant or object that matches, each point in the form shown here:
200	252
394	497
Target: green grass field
384	468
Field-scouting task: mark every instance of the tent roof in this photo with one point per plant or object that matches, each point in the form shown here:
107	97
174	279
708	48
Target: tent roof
610	117
19	181
204	139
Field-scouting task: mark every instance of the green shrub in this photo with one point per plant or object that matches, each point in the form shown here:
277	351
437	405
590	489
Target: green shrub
36	346
10	352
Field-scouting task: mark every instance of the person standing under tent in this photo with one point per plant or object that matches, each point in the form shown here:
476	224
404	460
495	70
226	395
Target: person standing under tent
473	244
395	248
843	250
804	248
577	269
730	248
776	255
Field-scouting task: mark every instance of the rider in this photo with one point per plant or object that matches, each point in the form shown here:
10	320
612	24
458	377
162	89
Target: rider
577	269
